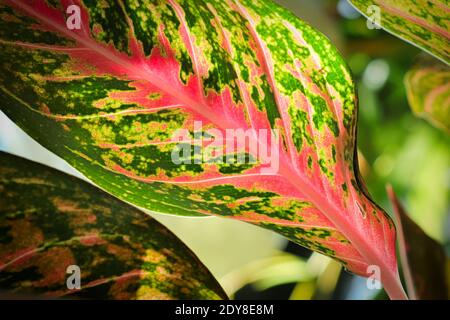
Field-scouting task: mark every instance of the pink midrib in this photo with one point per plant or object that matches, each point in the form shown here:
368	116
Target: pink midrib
294	177
414	19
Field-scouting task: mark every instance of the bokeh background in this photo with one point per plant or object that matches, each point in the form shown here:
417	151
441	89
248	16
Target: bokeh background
394	147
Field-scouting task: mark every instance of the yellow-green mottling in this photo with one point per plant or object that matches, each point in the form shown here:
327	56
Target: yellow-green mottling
109	104
53	220
423	23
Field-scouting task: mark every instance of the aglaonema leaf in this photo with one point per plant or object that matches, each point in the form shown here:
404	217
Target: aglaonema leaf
52	223
427	86
423	23
423	259
110	94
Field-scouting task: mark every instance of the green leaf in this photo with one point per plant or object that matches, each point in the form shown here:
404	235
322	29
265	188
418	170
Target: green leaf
112	97
423	259
50	221
423	23
281	268
428	91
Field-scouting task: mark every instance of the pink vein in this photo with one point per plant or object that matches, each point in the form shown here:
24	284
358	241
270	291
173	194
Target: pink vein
90	116
95	283
417	20
269	70
294	177
43	247
43	46
190	45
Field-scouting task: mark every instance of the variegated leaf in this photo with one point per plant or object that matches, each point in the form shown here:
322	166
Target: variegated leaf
109	96
428	91
50	221
423	259
423	23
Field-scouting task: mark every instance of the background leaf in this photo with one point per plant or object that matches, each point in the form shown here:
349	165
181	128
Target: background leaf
108	97
428	91
423	23
50	220
423	259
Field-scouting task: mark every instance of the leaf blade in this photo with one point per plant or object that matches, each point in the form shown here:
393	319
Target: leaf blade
424	24
216	63
428	90
423	259
50	220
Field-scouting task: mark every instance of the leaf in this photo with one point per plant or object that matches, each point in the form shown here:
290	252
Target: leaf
262	274
423	23
109	98
428	90
50	221
423	259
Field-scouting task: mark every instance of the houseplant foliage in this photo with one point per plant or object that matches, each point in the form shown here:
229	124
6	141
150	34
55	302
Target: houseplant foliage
112	93
109	95
422	23
50	221
423	260
425	24
428	90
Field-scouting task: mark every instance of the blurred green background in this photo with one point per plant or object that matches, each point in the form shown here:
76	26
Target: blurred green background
395	147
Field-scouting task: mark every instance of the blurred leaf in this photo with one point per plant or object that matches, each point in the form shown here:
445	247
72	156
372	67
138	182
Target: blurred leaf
420	22
428	91
303	291
322	283
50	220
327	280
423	259
265	273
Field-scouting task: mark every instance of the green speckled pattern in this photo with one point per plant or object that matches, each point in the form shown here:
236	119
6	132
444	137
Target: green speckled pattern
109	97
424	23
50	220
428	90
